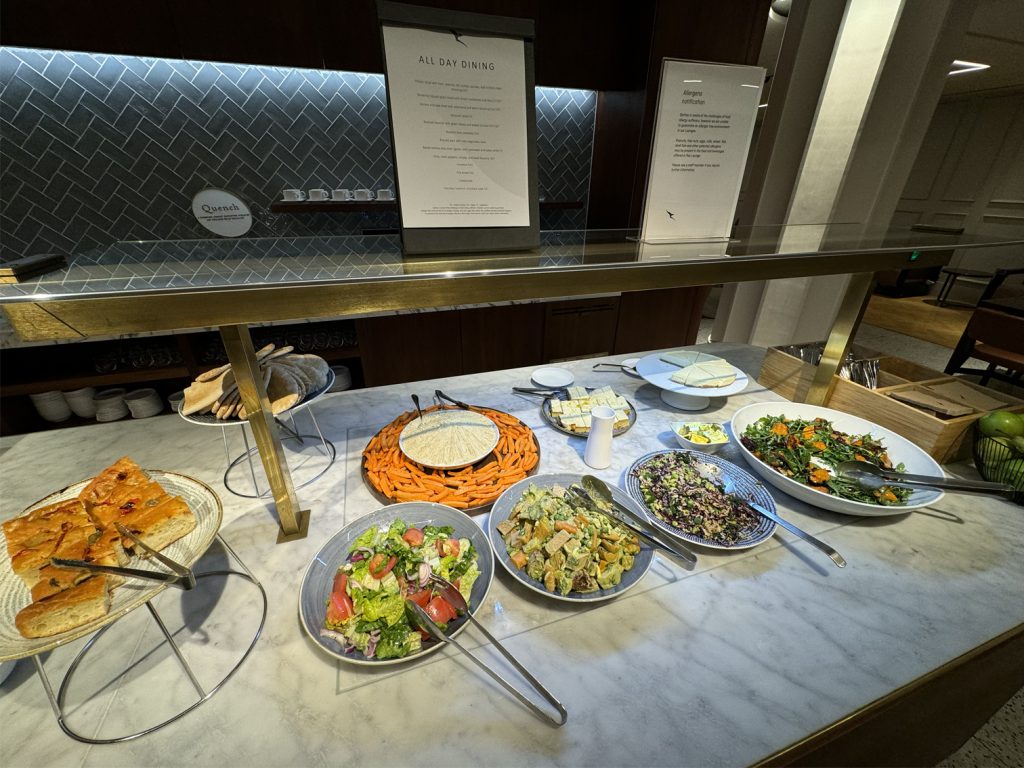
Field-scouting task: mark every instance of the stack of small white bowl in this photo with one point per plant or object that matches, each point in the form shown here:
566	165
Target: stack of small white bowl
342	378
110	405
51	405
81	402
174	400
144	403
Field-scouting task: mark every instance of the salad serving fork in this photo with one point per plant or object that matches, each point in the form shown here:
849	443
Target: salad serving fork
451	593
712	474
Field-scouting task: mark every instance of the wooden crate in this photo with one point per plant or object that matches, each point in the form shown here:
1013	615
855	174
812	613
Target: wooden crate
945	439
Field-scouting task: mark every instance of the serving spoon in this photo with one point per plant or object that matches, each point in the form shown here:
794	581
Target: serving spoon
870	477
596	489
416	402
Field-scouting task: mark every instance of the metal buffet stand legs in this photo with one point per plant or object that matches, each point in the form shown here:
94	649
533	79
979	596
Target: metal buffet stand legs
294	522
58	701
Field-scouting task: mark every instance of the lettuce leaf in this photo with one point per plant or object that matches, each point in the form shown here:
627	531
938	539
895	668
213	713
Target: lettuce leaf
365	539
380	605
396	642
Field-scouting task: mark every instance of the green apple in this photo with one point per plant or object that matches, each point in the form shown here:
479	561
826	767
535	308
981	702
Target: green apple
1001	424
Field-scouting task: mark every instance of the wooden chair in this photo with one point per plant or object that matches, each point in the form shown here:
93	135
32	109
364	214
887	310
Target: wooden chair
996	338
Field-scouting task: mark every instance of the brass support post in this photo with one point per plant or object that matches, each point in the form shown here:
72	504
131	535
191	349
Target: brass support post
242	356
858	292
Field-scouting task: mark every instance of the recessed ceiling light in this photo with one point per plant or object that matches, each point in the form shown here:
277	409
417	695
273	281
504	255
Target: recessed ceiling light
963	67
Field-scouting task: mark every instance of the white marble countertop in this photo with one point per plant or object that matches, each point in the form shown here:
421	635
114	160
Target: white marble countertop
722	665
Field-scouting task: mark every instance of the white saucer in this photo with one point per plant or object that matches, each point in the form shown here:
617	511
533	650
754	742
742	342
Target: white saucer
553	377
629	366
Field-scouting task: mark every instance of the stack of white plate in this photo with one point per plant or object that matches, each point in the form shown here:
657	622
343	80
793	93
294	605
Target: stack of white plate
51	405
144	403
110	405
81	402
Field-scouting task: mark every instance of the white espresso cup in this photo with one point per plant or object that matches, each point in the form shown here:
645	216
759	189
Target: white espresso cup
294	195
341	194
385	194
364	194
318	194
598	453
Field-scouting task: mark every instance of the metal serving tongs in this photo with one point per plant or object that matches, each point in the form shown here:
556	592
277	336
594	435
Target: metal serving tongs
542	391
869	477
451	593
458	403
625	517
182	577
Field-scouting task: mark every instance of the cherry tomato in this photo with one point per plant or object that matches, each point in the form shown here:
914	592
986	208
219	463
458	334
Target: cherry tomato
413	537
340	607
453	546
340	582
378	568
440	610
421	598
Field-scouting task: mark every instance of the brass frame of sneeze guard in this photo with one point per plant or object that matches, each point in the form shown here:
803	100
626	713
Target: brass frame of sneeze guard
242	356
855	301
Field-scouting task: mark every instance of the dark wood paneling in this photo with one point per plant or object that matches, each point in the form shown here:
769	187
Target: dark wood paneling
582	328
399	348
249	32
104	26
657	319
596	44
495	338
615	160
349	35
728	32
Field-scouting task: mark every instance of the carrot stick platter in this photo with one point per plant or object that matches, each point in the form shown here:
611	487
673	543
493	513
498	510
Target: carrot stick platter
394	477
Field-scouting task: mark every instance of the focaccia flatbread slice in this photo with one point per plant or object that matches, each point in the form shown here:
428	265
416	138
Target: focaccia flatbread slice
67	609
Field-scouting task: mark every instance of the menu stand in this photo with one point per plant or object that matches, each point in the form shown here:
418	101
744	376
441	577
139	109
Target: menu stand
58	701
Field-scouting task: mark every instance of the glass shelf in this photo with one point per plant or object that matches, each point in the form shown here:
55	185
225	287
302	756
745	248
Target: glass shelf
143	267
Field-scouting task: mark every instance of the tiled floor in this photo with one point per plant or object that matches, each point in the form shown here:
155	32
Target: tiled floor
999	743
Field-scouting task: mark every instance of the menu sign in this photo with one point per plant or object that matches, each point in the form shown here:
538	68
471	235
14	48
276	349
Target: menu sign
459	122
706	115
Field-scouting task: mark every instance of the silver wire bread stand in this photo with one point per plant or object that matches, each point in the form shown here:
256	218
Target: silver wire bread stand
202	593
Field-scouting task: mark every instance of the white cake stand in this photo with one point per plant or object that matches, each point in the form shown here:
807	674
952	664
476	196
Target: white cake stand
656	371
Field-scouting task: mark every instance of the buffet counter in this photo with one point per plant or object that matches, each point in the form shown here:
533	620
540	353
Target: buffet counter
728	664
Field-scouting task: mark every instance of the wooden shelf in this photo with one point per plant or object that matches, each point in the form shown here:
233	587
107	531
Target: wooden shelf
97	380
379	206
334	206
343	353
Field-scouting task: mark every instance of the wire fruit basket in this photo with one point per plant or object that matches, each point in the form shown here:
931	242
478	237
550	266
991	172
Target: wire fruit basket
997	459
